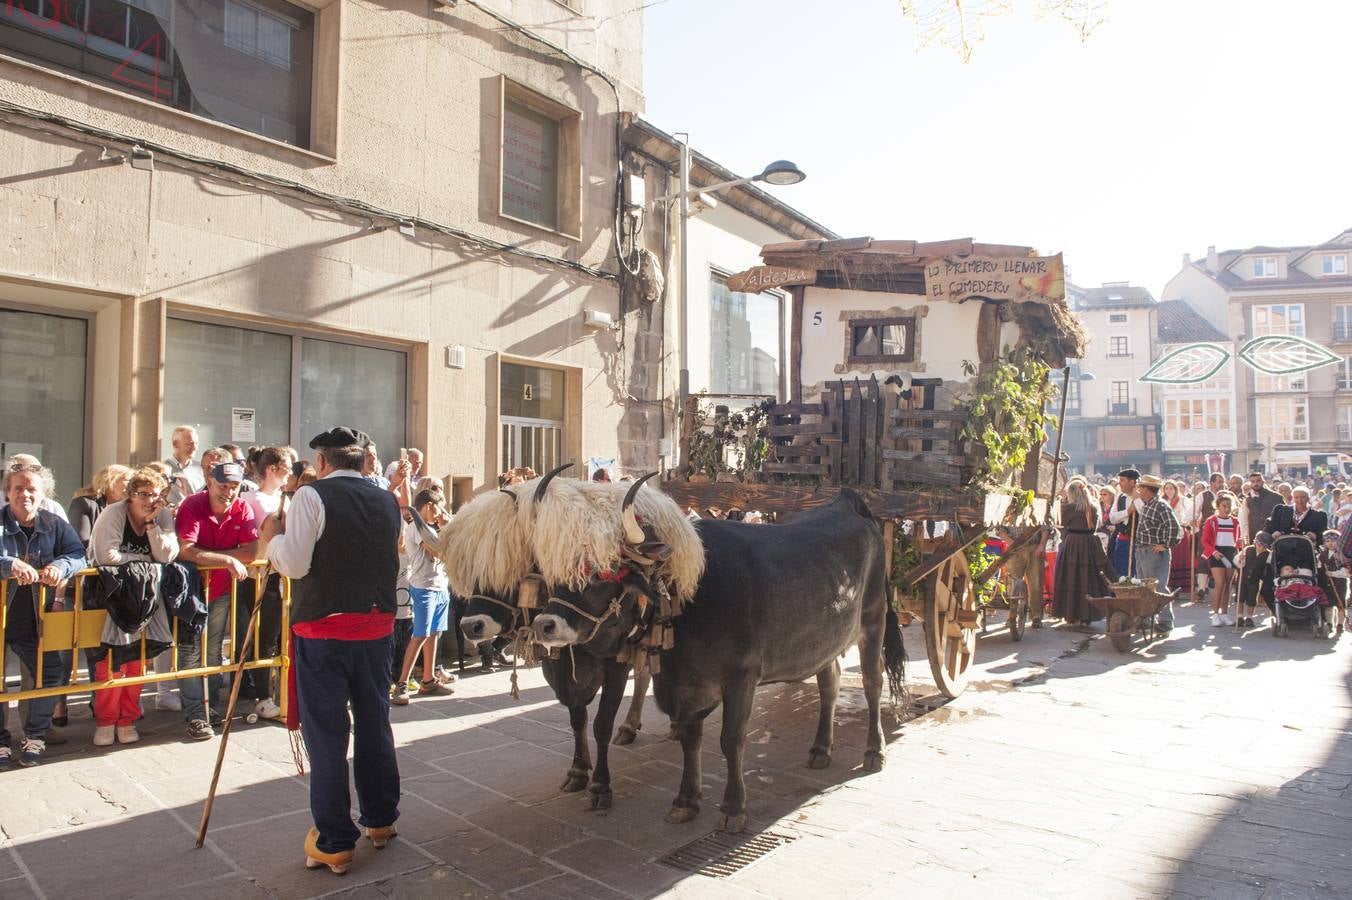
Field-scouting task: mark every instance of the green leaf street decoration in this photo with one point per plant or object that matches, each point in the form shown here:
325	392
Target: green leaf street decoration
1285	355
1188	365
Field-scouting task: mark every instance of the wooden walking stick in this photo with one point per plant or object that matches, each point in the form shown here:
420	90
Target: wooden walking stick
230	710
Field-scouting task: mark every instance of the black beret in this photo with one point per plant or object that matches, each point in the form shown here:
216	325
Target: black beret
1134	474
341	436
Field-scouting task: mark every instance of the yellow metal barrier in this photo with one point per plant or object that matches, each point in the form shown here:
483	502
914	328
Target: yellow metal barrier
82	629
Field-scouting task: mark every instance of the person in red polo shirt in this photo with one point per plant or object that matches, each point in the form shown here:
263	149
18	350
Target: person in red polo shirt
339	546
215	528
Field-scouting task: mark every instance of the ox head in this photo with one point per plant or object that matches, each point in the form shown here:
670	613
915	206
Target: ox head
489	615
614	605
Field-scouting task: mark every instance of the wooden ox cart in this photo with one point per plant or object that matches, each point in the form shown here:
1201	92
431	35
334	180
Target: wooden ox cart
907	366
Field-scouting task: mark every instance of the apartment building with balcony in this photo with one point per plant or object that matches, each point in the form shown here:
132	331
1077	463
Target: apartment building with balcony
1197	419
1289	422
1111	418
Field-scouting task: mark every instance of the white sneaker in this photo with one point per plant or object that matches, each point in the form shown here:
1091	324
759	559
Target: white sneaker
168	701
1226	620
1215	620
103	735
127	734
267	709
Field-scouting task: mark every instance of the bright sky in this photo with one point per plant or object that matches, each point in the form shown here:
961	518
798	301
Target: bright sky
1178	124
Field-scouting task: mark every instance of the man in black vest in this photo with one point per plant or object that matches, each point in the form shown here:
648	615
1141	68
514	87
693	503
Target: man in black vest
338	545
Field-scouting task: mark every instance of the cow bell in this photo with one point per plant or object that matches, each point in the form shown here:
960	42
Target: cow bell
528	592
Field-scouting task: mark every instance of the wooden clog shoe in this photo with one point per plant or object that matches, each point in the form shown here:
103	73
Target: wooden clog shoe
381	836
338	863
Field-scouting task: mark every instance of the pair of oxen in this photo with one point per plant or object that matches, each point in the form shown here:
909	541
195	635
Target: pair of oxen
748	605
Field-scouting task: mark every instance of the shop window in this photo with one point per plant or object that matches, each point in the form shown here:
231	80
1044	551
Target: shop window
42	392
361	386
210	370
888	340
540	165
246	63
745	341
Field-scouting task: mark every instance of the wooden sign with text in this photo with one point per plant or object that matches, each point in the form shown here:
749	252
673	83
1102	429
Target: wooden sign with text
1017	278
763	278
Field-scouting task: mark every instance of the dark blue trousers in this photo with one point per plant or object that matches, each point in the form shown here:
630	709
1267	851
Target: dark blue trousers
330	675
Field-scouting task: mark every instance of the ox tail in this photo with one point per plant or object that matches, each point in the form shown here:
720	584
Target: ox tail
894	657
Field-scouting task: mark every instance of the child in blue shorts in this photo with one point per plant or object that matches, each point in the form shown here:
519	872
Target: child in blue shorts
429	591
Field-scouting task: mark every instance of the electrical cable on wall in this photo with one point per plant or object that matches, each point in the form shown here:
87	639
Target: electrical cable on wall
230	172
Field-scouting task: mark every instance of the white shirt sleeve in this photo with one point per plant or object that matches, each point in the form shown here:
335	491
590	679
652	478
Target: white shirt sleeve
290	553
1119	512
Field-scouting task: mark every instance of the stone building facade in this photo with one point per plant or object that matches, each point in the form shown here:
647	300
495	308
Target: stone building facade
396	215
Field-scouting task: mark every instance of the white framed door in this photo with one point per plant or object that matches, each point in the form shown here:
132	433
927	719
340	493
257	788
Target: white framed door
537	443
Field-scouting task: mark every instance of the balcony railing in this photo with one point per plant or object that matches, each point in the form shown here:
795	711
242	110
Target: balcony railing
1344	383
1344	432
1122	409
1342	331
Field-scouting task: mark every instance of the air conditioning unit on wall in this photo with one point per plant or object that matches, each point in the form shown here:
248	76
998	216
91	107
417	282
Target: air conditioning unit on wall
595	318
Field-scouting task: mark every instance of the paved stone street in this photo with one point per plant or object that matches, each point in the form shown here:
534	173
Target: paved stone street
1212	765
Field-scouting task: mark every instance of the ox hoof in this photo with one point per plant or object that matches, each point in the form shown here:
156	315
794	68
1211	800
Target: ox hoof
600	797
625	735
679	815
732	824
873	761
576	781
818	759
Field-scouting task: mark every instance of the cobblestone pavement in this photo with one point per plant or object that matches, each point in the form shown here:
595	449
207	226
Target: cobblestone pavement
1212	764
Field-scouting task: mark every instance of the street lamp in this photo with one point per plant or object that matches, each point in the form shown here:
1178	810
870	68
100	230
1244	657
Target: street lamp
781	172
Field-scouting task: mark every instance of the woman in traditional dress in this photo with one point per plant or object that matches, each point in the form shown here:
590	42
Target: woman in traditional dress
1180	559
1084	570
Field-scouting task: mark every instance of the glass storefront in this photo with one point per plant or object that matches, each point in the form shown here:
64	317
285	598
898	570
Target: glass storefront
43	361
295	386
365	387
211	369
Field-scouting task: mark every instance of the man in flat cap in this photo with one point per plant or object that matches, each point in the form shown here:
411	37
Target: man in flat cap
1120	518
338	545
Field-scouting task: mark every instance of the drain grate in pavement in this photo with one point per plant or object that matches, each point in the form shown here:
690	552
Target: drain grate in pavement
720	855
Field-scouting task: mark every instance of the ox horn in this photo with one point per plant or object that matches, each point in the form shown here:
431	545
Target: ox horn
511	494
544	482
632	532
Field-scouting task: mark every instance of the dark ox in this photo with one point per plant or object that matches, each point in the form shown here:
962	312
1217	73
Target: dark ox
776	604
575	677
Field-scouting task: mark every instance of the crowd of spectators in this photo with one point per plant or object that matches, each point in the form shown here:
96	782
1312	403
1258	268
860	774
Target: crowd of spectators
136	525
1205	540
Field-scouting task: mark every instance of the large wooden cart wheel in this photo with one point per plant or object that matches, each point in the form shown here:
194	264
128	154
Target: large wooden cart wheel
951	621
1018	609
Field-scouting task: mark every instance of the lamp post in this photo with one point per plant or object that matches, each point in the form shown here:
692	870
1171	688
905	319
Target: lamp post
781	172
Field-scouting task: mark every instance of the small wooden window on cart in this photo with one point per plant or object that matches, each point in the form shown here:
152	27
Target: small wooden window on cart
882	340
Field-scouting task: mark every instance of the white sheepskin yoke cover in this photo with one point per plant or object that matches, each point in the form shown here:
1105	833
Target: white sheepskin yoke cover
486	547
578	529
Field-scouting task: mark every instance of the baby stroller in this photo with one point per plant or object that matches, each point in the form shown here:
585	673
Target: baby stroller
1296	586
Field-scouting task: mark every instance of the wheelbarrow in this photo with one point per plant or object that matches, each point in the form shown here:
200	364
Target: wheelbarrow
1131	613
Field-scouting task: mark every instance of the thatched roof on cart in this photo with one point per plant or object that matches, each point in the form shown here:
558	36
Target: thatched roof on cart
898	266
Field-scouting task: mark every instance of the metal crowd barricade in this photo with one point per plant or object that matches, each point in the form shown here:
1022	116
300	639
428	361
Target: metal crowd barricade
80	629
